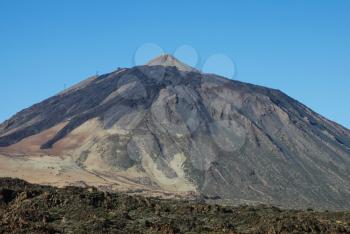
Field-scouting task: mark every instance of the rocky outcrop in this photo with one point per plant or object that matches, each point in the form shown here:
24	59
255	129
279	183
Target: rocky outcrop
27	208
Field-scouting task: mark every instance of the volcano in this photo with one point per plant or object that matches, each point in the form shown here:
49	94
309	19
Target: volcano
167	129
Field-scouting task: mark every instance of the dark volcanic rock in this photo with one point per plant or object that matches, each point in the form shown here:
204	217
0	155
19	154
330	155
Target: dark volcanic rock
43	209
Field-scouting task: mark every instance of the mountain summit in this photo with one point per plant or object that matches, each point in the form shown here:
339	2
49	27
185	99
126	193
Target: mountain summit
168	60
165	129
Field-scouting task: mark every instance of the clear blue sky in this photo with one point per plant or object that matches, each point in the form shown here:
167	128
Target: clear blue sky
299	47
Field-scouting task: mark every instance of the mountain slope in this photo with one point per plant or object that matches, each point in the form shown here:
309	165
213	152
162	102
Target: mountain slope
167	128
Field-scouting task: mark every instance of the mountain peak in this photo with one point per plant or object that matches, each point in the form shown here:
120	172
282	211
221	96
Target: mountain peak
181	134
168	60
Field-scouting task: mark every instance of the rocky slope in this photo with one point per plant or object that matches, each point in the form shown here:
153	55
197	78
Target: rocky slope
27	208
168	128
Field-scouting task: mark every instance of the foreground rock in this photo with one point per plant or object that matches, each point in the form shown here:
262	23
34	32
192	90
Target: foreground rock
28	208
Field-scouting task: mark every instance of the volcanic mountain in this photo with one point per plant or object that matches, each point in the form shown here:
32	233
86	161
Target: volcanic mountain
167	129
